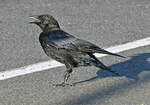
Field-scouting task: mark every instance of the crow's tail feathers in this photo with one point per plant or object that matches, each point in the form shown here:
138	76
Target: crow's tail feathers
103	67
116	55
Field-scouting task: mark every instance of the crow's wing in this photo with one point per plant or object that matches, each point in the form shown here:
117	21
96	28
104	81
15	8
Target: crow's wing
63	40
88	47
59	39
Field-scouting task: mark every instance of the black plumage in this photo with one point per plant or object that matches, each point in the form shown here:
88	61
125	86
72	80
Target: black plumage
67	49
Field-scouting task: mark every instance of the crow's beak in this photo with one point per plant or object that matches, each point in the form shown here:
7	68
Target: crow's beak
34	19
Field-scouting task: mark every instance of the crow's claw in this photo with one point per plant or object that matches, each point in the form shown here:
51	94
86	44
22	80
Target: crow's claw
63	84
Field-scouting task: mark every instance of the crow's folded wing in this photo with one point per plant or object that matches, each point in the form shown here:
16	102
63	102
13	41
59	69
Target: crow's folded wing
60	40
88	47
63	40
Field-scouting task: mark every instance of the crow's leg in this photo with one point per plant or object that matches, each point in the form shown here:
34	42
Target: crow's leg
66	77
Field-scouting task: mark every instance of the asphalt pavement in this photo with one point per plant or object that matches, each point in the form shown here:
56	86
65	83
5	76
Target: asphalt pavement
103	22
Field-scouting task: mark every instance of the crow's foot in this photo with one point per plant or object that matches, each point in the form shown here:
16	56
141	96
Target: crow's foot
63	85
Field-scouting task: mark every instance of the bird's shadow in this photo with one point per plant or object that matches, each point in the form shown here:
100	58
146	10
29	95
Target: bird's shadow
130	68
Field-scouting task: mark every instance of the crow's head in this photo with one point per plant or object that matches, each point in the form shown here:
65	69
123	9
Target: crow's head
45	22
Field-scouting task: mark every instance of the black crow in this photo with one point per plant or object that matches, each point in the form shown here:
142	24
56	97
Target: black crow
67	49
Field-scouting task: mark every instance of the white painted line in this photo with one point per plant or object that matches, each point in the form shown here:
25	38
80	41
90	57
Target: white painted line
53	64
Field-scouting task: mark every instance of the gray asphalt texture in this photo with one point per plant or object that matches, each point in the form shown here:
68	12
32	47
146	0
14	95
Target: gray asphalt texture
103	22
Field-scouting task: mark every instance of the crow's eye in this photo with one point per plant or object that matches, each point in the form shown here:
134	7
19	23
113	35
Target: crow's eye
41	16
